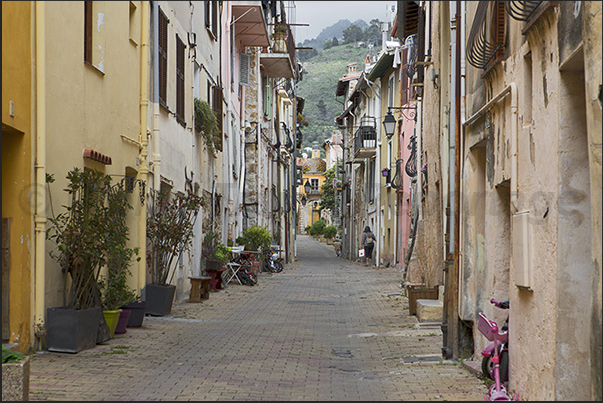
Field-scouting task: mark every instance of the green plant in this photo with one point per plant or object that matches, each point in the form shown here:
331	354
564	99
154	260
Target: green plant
208	123
319	227
80	234
214	250
114	288
280	28
255	238
330	231
10	356
170	231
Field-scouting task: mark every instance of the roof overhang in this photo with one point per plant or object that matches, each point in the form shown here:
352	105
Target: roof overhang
250	23
277	65
384	63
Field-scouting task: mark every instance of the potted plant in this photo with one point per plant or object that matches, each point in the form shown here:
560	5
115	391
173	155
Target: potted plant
280	35
255	239
329	232
169	233
206	123
215	255
15	375
115	292
80	233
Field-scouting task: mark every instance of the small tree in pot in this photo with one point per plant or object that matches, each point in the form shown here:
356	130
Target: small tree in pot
169	233
215	253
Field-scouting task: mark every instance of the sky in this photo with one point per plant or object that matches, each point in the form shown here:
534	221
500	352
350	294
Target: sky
321	14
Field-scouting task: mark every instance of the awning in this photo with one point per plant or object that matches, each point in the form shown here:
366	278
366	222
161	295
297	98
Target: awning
250	23
384	63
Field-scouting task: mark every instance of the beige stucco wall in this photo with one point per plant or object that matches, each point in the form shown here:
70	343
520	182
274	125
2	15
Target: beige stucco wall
550	322
87	108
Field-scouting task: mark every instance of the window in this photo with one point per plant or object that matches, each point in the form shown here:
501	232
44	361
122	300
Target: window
371	180
314	182
180	81
162	49
218	100
94	34
134	24
211	17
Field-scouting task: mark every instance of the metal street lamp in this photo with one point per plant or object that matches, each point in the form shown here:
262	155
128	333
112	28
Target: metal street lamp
303	200
307	187
389	123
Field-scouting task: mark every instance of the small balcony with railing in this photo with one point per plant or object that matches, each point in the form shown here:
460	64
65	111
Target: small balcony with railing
281	61
365	139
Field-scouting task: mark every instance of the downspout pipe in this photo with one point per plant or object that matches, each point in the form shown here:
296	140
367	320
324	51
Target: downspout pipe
144	170
156	153
40	173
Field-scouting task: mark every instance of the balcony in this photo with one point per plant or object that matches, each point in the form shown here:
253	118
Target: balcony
281	62
365	139
250	23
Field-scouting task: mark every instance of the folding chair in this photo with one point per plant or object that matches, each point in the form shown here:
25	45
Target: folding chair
232	266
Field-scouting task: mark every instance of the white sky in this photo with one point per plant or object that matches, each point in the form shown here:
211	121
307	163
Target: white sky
321	14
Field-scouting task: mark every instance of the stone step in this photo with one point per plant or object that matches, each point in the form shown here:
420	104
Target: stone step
429	310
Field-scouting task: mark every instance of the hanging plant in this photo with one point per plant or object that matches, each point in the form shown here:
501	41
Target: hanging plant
207	124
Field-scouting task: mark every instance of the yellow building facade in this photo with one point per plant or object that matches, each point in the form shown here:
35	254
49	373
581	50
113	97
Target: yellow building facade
18	189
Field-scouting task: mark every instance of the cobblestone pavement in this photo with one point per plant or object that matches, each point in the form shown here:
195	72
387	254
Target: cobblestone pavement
322	329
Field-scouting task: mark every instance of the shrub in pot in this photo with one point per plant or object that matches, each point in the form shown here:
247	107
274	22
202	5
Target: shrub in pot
80	234
257	239
169	233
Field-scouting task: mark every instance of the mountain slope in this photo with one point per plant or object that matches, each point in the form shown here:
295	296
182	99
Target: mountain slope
321	74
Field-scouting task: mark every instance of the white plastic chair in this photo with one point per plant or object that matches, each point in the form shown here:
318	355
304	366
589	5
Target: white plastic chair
233	267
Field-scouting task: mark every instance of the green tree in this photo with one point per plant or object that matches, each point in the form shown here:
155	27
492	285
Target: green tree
335	41
327	199
322	108
352	34
327	45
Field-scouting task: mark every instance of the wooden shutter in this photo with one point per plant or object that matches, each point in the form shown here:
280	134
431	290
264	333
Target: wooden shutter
88	32
244	64
214	18
218	100
163	28
180	81
208	14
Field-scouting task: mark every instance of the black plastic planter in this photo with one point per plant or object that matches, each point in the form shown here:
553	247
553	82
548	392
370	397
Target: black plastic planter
159	299
71	331
138	309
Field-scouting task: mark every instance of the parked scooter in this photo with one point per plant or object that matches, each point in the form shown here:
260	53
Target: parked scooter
503	349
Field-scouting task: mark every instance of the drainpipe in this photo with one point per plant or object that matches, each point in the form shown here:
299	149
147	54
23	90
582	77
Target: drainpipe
156	154
144	170
40	173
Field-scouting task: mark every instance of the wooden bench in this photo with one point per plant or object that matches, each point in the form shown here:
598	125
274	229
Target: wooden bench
199	288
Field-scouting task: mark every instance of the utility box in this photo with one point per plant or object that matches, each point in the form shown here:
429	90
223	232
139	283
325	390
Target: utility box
522	250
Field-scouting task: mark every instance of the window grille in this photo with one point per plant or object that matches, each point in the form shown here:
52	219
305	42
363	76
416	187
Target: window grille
485	45
244	63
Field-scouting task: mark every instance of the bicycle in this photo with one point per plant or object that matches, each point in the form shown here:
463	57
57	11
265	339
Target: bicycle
489	328
272	262
503	350
245	274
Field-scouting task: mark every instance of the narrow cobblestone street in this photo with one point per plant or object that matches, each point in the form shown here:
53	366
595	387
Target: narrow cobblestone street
322	329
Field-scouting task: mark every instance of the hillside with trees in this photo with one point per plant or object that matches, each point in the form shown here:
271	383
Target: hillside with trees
323	69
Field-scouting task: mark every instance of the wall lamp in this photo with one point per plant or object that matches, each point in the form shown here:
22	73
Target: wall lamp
307	187
389	122
303	200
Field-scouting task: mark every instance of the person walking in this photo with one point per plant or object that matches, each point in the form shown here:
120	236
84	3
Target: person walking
368	242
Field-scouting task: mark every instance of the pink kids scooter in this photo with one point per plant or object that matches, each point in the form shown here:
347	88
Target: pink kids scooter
498	391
